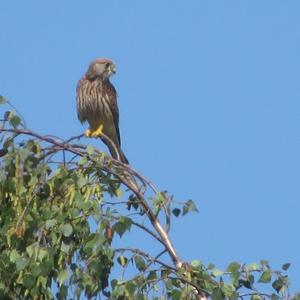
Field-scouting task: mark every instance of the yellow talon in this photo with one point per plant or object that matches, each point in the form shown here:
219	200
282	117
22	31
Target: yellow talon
88	133
96	133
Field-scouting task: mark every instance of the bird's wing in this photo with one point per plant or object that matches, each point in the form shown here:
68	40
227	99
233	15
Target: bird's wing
79	100
113	105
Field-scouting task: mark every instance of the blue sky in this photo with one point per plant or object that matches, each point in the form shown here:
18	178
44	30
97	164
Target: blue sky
209	101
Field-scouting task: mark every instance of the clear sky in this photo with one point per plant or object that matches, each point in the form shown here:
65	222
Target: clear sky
209	97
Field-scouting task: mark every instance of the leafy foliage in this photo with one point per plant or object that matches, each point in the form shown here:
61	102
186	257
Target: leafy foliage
45	227
59	218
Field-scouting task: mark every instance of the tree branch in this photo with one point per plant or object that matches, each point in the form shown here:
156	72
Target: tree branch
128	178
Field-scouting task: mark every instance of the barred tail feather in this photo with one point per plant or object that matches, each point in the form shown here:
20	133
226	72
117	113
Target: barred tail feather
123	157
113	152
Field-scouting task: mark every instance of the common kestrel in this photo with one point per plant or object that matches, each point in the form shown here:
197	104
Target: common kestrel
97	104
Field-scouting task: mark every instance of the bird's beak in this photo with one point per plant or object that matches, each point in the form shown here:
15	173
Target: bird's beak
113	69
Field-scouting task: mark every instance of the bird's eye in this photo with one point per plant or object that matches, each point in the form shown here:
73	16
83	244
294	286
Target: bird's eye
107	65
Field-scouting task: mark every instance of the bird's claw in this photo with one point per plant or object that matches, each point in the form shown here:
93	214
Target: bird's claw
94	133
87	133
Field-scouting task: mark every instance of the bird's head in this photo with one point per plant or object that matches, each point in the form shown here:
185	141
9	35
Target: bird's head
101	68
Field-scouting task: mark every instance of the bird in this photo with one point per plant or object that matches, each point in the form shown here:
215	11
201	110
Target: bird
96	102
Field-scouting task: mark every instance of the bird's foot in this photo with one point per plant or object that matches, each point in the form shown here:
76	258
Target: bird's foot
98	132
94	133
87	133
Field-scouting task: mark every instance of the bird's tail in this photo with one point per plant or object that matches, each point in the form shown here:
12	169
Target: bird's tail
116	152
123	157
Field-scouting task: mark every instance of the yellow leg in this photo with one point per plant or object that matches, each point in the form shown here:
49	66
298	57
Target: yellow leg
95	133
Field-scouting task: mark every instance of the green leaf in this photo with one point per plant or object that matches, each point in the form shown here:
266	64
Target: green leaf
169	284
233	267
46	266
14	120
256	297
90	150
265	277
65	247
79	200
216	272
83	161
36	270
152	276
140	263
228	290
82	181
67	230
28	281
195	263
176	212
50	223
14	255
189	206
285	266
114	283
2	100
217	294
21	263
42	253
62	276
264	263
246	283
280	283
74	212
122	226
30	250
122	260
277	285
119	193
130	287
253	267
118	290
176	295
